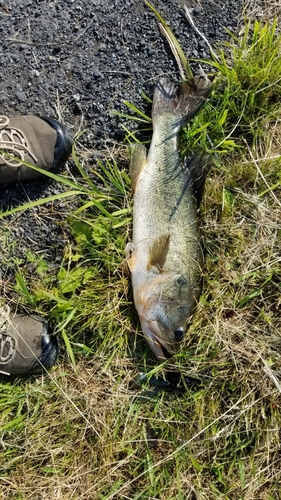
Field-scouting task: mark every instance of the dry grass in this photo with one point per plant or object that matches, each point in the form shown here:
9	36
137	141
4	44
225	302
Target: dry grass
265	10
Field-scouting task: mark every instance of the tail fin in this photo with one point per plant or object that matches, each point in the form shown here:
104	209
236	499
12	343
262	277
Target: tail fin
182	102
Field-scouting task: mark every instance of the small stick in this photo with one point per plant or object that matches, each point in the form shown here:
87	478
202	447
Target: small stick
190	20
174	50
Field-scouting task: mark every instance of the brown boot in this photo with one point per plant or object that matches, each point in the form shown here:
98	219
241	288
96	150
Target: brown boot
25	345
40	141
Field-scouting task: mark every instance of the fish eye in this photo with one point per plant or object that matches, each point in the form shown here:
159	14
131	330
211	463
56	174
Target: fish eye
179	333
180	280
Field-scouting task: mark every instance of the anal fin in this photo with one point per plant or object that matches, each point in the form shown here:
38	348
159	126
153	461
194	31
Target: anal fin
138	160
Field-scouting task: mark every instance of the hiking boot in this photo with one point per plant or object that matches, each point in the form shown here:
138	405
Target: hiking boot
40	141
25	345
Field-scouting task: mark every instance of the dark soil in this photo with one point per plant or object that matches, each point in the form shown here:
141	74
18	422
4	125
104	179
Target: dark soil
76	60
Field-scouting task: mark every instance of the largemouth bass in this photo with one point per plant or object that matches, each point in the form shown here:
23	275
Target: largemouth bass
165	257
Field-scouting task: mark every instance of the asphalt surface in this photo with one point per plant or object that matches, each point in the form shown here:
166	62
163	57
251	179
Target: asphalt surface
77	60
84	58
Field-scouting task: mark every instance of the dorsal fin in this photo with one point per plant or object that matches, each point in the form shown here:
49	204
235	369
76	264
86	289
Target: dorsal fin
130	251
197	166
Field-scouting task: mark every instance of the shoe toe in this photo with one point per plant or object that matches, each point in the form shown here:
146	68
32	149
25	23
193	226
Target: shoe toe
26	346
50	350
64	142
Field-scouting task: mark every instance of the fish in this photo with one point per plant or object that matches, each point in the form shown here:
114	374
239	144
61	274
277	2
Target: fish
165	256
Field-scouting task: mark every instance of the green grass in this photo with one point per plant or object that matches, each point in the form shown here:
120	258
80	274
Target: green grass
82	432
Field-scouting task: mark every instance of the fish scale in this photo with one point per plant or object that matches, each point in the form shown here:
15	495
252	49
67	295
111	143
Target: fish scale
156	206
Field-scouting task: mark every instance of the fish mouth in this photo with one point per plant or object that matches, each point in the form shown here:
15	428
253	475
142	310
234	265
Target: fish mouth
162	349
158	348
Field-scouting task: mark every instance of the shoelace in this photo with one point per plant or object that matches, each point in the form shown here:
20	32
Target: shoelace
6	342
14	143
6	348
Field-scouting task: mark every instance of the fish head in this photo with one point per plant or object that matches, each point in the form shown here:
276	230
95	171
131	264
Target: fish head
165	308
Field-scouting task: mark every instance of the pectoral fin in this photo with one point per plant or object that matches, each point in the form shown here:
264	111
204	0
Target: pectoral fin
158	252
138	160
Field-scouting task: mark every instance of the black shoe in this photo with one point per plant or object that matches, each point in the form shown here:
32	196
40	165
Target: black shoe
39	141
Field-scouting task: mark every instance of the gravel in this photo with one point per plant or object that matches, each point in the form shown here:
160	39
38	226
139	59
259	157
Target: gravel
77	60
